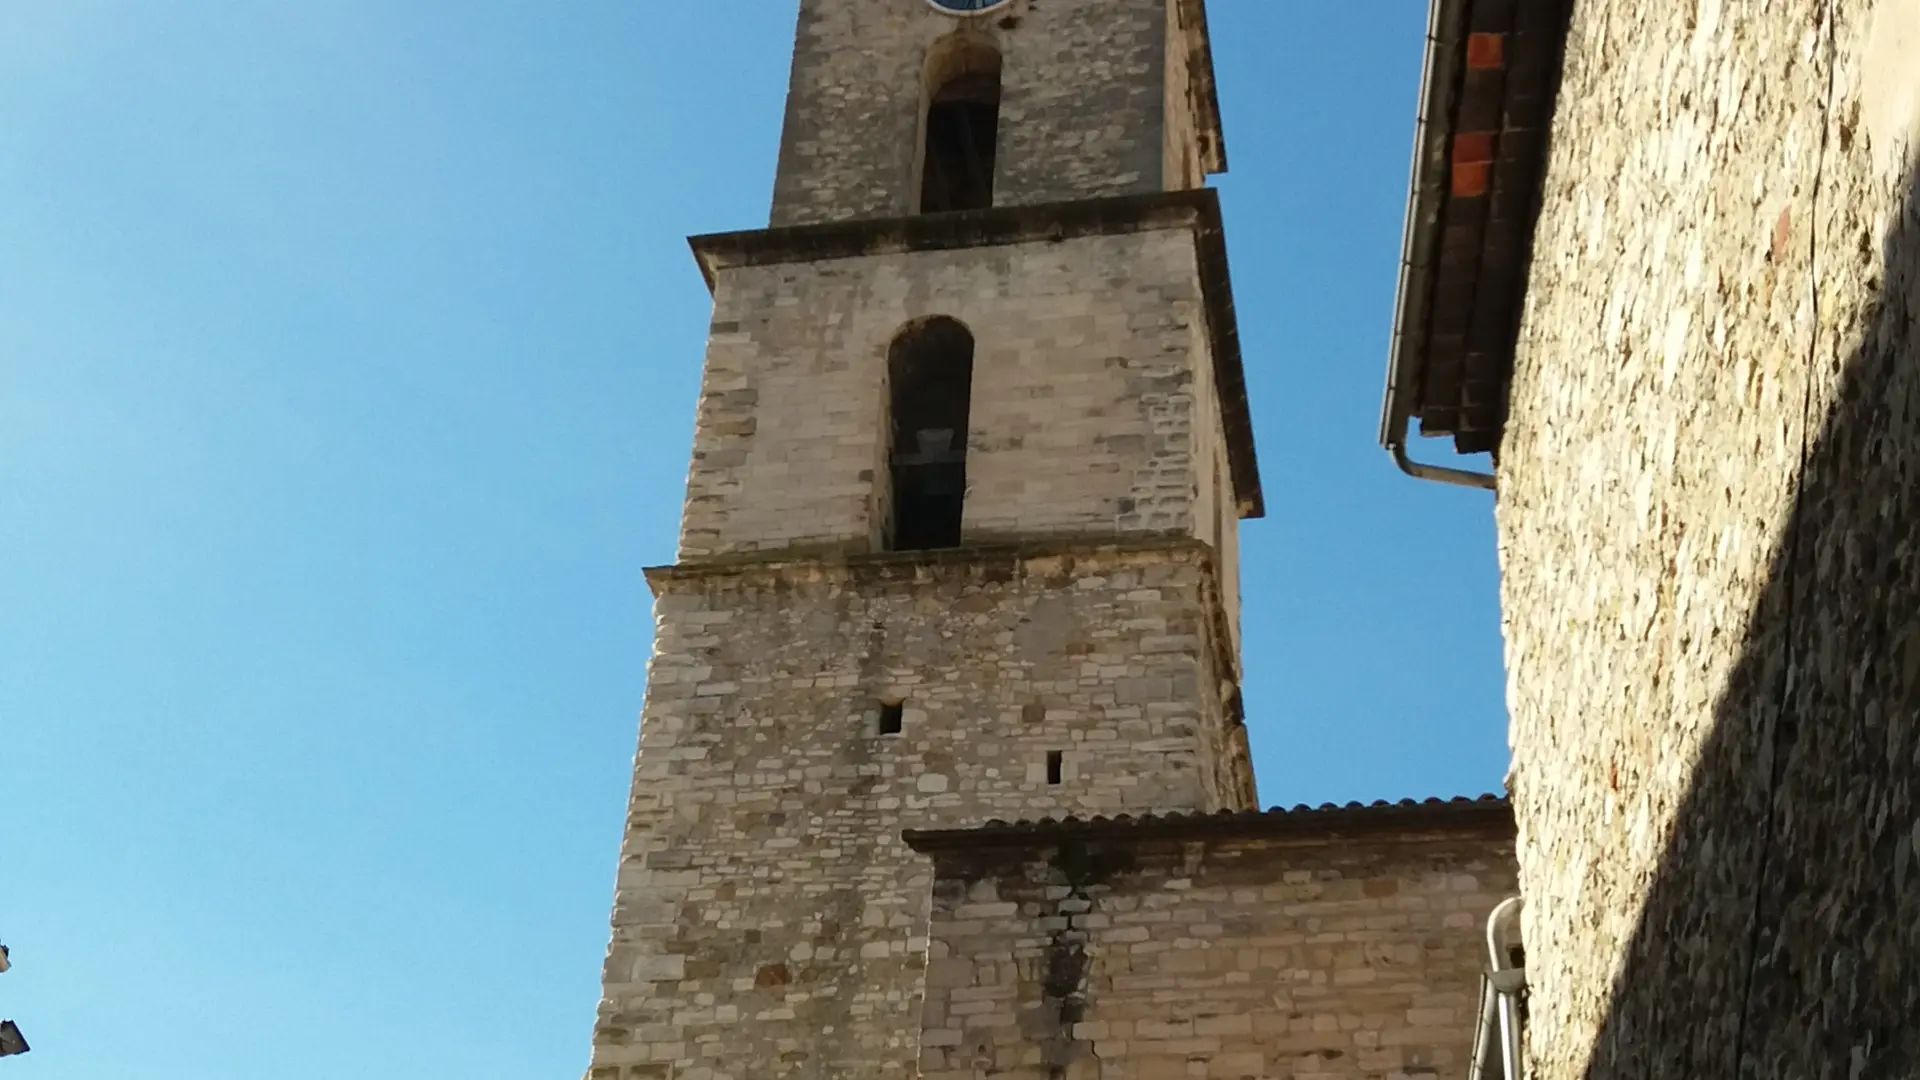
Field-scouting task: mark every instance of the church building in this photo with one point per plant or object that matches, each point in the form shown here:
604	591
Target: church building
943	769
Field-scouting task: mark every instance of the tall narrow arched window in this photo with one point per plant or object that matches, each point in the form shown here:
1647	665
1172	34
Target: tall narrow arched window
929	379
962	127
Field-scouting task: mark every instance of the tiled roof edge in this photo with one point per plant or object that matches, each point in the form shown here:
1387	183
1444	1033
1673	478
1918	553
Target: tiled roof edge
1486	813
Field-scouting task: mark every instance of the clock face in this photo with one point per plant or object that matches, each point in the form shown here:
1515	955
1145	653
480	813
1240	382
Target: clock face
968	7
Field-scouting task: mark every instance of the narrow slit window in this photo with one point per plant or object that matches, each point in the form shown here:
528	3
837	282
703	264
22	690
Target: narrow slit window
962	130
1056	766
930	381
893	717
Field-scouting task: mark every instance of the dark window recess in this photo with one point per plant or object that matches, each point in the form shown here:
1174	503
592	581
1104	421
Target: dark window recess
892	718
1056	765
963	128
930	375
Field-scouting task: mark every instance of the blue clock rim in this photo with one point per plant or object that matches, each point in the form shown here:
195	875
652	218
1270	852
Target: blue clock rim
967	7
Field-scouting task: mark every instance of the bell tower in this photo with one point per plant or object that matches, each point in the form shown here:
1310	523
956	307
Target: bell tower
971	451
1053	100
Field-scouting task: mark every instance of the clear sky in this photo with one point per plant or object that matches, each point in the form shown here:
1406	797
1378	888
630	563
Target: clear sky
348	357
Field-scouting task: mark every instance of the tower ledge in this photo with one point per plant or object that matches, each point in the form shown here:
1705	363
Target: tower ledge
991	562
1068	560
1197	210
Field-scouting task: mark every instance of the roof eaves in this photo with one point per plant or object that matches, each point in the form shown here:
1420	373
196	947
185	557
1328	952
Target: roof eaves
1426	197
1491	77
1484	814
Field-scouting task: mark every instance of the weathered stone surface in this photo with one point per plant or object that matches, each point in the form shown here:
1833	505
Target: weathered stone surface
768	919
1708	521
1092	103
1093	410
1077	653
1248	959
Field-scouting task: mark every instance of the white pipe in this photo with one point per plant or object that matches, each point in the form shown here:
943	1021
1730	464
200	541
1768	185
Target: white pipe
1502	927
1503	933
1441	20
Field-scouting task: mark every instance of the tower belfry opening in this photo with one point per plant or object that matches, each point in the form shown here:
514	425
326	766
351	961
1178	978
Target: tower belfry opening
962	129
930	380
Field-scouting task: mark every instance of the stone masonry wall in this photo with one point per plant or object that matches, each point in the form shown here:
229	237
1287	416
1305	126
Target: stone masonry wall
1182	166
1245	958
1089	360
1215	515
768	920
1708	512
1081	106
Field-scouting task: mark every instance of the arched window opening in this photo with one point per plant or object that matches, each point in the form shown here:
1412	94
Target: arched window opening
930	379
962	128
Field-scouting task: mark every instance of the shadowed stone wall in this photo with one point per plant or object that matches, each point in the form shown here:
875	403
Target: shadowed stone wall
1329	956
810	697
768	920
1710	538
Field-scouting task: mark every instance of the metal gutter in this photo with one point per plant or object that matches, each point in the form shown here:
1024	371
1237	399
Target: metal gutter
1445	40
1484	1062
1438	473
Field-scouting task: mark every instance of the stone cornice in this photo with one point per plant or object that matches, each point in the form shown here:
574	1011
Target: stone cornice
1001	562
1055	558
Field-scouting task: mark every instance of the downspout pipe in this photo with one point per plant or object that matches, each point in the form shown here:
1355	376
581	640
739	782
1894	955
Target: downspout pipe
1485	1062
1443	37
1507	980
1438	473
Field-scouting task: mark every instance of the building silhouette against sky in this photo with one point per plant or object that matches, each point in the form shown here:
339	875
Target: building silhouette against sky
1677	303
943	769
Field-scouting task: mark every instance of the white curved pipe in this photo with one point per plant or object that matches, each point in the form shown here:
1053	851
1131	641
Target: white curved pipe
1503	931
1503	935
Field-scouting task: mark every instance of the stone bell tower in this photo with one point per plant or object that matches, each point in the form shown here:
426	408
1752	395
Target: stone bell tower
959	535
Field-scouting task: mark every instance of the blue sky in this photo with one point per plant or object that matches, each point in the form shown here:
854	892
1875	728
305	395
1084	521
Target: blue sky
348	355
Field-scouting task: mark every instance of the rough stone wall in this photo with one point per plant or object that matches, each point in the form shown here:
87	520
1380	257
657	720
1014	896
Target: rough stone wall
1708	511
1091	386
1082	92
768	920
1226	535
1182	166
1215	511
1240	959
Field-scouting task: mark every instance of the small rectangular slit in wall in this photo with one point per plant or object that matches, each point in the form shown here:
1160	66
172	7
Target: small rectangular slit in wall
892	717
1056	764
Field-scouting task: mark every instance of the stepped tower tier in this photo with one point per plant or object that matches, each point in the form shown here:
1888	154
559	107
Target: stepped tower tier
959	539
897	107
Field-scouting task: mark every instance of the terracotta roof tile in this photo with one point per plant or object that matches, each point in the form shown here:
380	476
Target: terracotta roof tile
1327	820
